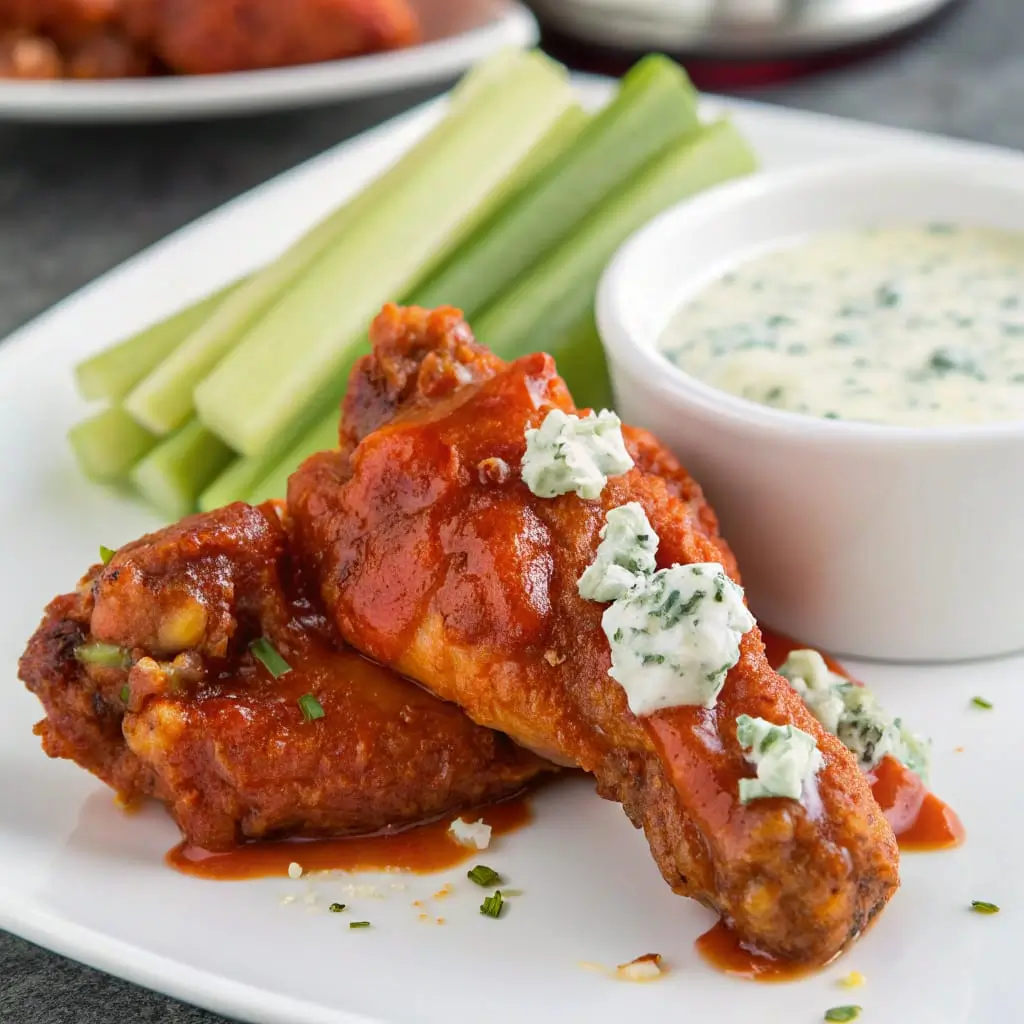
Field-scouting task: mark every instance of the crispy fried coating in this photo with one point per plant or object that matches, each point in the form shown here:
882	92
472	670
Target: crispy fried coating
128	38
83	39
435	559
197	722
197	37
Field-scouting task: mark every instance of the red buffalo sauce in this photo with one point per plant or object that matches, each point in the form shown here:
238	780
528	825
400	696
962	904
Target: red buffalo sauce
920	819
721	947
421	849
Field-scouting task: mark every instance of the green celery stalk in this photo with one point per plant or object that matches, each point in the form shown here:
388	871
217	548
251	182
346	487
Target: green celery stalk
323	437
261	387
579	355
259	477
111	374
560	136
163	400
655	107
242	477
560	290
567	329
108	444
172	475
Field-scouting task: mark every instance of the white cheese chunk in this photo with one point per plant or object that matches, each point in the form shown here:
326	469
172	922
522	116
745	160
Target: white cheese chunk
853	714
624	556
476	835
675	636
786	759
567	453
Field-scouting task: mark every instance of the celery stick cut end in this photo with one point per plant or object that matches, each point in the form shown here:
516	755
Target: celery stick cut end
108	444
158	411
172	476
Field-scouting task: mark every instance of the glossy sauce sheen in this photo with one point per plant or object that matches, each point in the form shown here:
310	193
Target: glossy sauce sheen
920	819
422	849
911	326
721	947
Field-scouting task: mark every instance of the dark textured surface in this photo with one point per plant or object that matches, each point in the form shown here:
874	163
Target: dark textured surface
75	202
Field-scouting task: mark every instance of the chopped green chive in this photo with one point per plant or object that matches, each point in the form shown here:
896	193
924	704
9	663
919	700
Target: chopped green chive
103	655
980	702
266	654
310	707
484	876
336	908
842	1013
106	554
125	693
981	907
491	906
359	924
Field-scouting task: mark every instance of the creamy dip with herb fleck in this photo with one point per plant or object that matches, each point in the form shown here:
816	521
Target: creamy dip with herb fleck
912	326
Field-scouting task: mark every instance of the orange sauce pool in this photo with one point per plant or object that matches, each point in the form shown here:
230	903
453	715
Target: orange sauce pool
921	821
723	950
421	849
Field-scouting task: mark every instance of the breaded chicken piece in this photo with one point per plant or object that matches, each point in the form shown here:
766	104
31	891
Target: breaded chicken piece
197	37
435	559
182	711
83	39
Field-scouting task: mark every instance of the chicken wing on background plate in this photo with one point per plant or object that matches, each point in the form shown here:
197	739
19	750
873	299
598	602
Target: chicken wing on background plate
126	38
197	37
85	39
147	680
436	559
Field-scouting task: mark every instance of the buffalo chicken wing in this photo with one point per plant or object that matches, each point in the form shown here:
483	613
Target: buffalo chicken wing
435	559
147	679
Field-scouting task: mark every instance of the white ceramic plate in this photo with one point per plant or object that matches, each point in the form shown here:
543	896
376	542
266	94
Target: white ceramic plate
740	27
458	35
81	878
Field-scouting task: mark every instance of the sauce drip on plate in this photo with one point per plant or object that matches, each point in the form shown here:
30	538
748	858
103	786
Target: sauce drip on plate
422	849
721	947
920	819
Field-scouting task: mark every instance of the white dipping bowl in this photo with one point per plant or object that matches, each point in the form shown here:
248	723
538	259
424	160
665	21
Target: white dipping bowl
898	543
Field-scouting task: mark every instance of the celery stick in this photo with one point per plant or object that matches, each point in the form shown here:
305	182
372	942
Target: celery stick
322	437
561	288
562	134
112	373
259	477
244	474
263	384
164	400
172	475
579	355
655	107
108	444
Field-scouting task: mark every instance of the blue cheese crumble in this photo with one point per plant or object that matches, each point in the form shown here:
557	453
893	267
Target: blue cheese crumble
624	557
786	759
853	714
567	453
675	635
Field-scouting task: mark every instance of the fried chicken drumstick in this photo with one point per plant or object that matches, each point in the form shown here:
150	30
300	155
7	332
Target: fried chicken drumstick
147	680
129	38
434	558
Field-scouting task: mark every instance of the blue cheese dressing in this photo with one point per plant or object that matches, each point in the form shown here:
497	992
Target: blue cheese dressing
907	326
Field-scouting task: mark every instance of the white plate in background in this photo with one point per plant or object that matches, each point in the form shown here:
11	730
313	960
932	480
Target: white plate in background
459	33
736	28
81	878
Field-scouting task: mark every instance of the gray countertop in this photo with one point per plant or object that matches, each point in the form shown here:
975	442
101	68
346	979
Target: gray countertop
76	201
